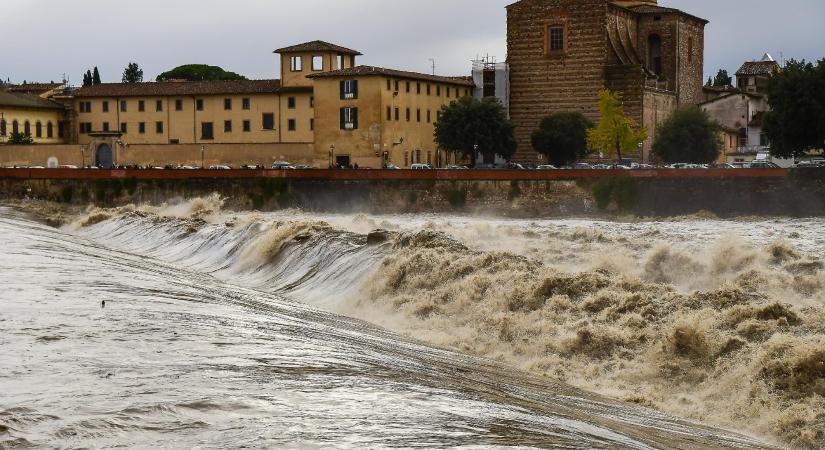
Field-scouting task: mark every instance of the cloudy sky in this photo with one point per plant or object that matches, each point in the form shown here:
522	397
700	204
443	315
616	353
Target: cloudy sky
42	39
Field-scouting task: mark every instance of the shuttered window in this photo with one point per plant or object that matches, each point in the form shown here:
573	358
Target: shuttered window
349	118
349	89
268	121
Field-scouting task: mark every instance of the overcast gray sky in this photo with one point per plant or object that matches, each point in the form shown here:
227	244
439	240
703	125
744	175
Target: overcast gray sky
42	39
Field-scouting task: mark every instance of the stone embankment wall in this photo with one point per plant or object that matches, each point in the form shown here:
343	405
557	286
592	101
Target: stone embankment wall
800	194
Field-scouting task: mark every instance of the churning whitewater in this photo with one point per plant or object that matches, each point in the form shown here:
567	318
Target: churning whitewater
227	329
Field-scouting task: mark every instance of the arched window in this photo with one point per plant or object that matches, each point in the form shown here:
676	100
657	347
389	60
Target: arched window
38	129
2	127
15	127
27	128
49	130
654	53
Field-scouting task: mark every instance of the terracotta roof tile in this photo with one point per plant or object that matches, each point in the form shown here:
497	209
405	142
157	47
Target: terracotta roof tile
380	71
20	100
758	68
175	88
317	46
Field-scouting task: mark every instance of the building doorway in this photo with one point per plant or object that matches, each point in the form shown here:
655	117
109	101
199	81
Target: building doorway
104	158
342	161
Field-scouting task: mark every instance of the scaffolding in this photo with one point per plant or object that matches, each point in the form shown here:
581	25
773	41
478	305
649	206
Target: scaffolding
492	79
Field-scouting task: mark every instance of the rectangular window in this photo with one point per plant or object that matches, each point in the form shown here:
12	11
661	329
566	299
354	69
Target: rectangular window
227	104
268	120
408	114
312	124
207	132
317	63
349	118
556	39
123	106
159	105
429	89
199	104
397	114
408	87
141	105
246	104
429	116
448	92
105	126
178	105
339	61
290	102
311	102
418	115
124	128
389	114
105	107
389	84
142	128
397	86
227	126
247	126
349	89
61	129
418	88
296	63
159	127
438	91
291	124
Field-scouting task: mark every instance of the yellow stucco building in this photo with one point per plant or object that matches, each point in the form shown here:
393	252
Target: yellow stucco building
28	114
324	110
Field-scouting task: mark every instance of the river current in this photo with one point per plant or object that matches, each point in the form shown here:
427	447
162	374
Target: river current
223	330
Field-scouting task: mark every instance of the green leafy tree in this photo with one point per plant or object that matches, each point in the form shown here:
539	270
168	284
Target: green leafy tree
20	139
796	122
616	133
96	76
132	74
199	72
710	82
470	126
562	137
722	79
689	135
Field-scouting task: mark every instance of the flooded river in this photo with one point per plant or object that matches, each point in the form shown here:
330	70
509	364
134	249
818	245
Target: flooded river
224	330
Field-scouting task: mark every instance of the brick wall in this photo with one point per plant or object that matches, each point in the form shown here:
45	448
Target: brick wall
540	85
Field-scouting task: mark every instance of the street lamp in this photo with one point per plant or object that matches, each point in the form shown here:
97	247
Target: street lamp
331	155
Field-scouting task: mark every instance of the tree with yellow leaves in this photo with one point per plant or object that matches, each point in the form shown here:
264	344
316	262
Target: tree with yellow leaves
615	132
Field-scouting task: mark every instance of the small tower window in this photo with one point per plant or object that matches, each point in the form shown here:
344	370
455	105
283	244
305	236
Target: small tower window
654	49
556	38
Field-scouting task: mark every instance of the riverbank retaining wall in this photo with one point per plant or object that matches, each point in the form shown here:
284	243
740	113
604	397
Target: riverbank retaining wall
800	194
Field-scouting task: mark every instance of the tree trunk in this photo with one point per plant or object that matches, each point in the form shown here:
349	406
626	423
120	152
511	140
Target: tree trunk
619	150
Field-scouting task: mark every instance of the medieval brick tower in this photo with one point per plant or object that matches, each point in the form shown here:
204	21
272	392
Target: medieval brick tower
561	53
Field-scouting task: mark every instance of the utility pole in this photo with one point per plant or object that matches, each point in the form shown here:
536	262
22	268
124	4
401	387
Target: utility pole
433	64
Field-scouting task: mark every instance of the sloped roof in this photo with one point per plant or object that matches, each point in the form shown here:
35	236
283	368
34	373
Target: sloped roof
656	9
758	68
35	87
175	88
317	46
381	71
20	100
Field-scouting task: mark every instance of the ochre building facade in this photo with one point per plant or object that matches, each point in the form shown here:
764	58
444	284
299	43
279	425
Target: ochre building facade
346	114
561	53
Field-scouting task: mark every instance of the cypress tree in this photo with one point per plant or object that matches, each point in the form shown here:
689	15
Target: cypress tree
96	77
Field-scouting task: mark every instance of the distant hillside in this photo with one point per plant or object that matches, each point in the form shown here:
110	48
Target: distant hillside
199	72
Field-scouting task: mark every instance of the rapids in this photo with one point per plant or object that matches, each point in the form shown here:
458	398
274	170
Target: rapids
244	315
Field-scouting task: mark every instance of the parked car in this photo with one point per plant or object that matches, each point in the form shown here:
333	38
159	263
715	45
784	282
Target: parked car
282	165
763	165
67	166
457	168
421	167
547	167
219	168
250	167
304	167
392	167
582	166
515	166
